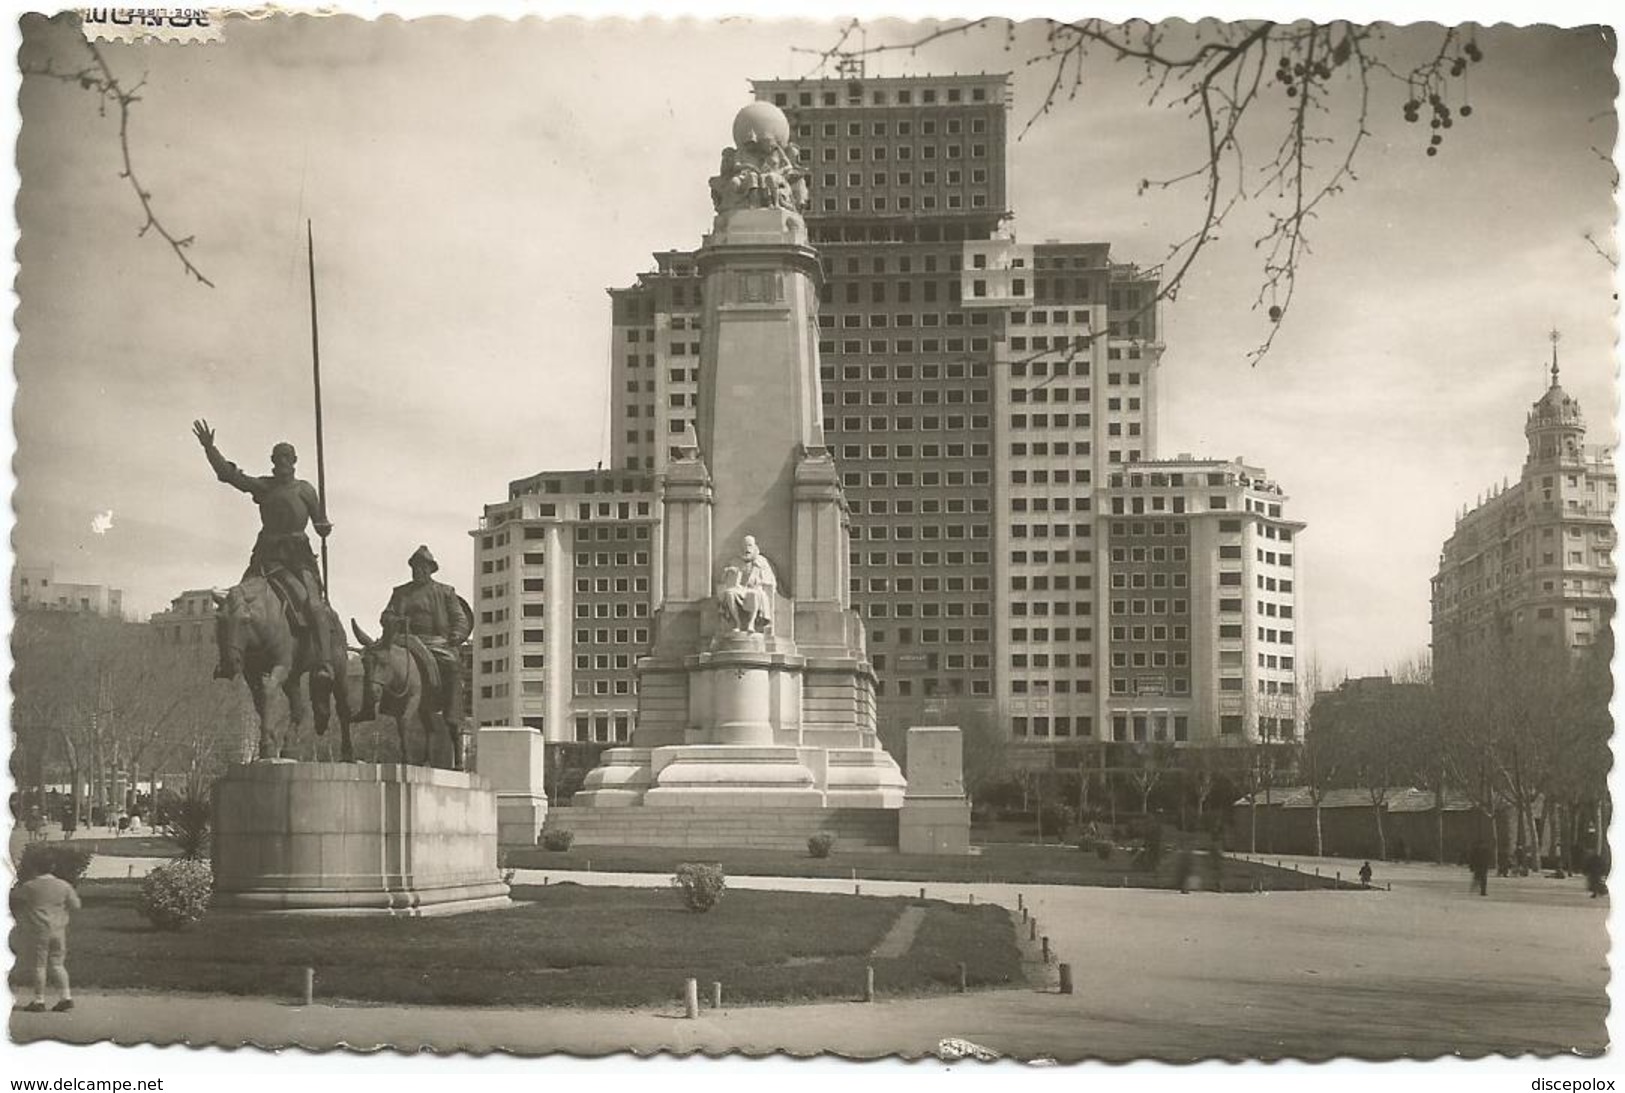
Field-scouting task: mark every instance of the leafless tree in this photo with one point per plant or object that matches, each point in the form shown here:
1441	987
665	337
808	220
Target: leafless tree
1283	110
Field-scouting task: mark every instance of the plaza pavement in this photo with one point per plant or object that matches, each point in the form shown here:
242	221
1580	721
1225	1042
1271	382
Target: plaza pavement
1424	970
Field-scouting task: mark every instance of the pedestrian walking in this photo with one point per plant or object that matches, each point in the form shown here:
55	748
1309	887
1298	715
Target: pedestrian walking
1478	860
41	908
1365	875
1596	869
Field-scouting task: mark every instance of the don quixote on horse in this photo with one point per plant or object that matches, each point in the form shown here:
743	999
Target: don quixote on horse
275	627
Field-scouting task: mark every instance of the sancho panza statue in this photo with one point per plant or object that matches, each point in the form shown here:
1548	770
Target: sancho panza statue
749	586
761	173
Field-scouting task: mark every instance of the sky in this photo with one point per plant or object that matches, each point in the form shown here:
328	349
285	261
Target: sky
475	188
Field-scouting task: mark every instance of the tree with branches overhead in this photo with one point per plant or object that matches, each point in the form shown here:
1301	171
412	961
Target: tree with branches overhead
1302	92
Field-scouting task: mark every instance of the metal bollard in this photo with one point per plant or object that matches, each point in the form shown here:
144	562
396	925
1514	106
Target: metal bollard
1066	979
869	983
310	986
716	996
691	999
963	983
1046	948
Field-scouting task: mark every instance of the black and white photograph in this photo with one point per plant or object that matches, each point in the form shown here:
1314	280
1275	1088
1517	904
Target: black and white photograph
1045	538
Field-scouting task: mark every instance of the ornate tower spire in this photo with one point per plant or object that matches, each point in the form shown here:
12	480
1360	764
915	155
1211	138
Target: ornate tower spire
1555	336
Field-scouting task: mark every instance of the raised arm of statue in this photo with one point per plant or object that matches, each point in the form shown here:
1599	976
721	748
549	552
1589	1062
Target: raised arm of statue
224	469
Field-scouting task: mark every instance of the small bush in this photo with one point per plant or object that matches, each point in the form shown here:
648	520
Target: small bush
702	884
176	895
1056	819
187	825
66	862
558	838
820	845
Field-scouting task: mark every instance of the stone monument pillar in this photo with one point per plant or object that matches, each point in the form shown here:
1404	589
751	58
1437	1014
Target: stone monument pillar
512	758
936	813
758	689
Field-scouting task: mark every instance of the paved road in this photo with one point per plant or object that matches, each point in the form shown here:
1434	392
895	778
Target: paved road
1426	969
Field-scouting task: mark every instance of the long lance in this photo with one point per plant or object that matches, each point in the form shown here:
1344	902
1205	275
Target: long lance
316	371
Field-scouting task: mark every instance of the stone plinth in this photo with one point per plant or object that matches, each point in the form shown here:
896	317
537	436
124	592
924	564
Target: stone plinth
731	776
512	758
355	838
936	814
621	778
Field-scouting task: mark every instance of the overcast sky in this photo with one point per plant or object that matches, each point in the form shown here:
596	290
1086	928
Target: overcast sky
476	187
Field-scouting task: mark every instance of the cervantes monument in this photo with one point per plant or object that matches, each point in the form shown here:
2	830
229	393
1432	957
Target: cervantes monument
757	697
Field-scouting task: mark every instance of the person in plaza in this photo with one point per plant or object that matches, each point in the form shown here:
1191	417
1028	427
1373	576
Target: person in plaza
41	908
1596	870
282	553
1478	860
432	620
1365	875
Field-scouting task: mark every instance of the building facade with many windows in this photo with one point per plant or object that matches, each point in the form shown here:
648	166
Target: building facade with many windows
1533	560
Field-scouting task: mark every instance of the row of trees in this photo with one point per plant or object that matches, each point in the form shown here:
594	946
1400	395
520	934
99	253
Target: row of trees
1518	733
101	702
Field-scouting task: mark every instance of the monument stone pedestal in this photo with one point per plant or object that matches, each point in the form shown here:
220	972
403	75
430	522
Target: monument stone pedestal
355	838
936	813
512	758
757	694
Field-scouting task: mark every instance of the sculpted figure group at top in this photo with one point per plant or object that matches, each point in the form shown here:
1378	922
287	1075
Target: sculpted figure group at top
762	171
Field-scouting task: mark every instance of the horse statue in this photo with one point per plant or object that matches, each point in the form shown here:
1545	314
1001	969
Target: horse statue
256	641
393	683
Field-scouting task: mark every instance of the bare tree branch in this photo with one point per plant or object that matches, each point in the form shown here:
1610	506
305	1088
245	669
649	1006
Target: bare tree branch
98	77
1219	78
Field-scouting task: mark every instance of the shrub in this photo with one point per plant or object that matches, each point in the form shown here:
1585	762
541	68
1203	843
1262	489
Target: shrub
821	844
1056	819
558	838
176	895
66	862
702	884
187	825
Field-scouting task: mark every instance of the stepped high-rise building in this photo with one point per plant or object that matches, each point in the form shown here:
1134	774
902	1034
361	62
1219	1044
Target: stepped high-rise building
978	393
1533	560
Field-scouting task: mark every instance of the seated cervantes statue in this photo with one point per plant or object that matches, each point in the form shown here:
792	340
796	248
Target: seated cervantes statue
747	590
762	172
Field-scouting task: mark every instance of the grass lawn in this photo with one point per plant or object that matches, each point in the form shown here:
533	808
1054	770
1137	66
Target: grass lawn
997	862
562	945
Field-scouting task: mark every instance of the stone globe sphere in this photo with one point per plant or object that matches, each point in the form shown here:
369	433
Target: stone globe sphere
761	121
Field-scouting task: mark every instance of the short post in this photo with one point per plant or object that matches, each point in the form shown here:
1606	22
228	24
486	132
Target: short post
1066	979
973	897
857	889
1390	886
1317	870
1046	948
1021	903
1339	878
963	987
922	893
310	986
130	872
1024	914
544	880
1032	929
691	998
716	996
869	983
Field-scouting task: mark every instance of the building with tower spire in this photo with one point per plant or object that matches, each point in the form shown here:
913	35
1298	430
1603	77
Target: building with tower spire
1531	561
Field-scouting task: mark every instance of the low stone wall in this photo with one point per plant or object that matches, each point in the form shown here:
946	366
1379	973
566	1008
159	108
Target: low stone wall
765	828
